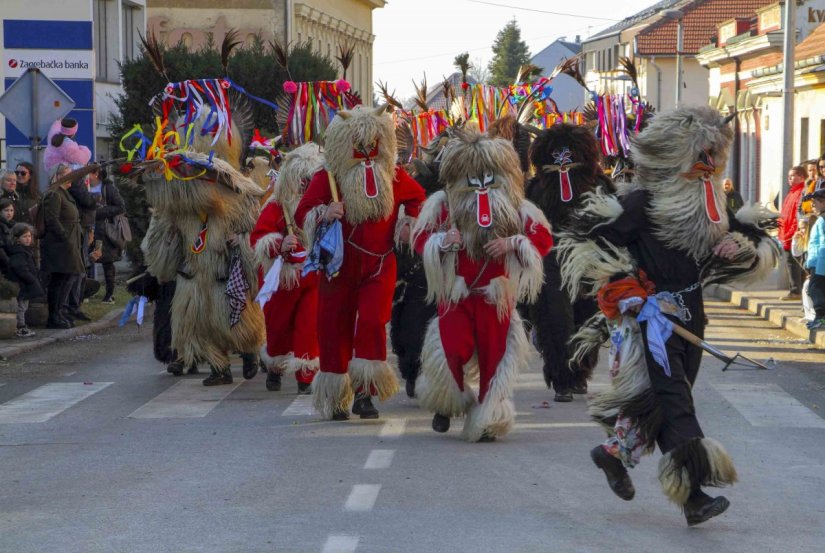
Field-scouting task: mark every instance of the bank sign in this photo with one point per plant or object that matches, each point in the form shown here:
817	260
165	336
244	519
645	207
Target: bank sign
63	51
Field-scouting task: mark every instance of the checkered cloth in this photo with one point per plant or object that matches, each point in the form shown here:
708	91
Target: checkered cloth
236	287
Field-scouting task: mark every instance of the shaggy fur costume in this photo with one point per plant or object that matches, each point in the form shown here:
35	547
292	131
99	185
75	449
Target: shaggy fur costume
360	153
666	225
291	313
478	327
224	204
564	156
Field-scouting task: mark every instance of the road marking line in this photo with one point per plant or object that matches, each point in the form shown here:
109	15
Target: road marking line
47	401
393	428
337	543
362	497
187	399
379	459
301	405
768	405
71	373
540	425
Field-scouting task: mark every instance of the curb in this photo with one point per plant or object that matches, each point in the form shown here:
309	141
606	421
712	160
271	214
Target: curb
764	309
108	320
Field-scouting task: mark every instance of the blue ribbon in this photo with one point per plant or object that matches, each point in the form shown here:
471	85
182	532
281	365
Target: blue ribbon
659	329
243	91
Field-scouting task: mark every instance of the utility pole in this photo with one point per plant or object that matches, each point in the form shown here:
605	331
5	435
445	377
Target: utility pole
788	96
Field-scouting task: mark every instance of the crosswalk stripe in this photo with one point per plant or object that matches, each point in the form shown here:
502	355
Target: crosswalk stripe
768	405
47	401
341	544
301	405
187	399
379	459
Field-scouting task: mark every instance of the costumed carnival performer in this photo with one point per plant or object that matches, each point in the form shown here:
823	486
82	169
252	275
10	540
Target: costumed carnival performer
291	310
482	245
198	237
650	252
566	161
410	309
354	306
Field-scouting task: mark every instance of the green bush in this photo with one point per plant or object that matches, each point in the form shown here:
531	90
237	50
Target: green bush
8	289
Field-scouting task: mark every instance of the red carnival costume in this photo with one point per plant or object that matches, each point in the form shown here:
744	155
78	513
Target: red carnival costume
292	309
355	305
502	241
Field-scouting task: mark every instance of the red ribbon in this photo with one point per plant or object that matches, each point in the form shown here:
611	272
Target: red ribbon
710	202
370	186
566	185
484	215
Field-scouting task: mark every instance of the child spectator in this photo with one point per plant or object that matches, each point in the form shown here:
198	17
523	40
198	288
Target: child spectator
23	270
6	224
816	261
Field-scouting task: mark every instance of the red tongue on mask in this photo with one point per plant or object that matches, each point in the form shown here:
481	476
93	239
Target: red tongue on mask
484	215
566	186
370	188
710	202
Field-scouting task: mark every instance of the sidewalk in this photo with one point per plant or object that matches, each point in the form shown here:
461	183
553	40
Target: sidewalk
766	303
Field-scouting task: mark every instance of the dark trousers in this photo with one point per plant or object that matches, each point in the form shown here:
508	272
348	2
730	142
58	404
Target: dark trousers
674	392
109	277
816	290
60	285
411	315
795	273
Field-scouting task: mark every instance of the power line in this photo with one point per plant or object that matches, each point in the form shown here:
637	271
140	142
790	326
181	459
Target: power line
543	11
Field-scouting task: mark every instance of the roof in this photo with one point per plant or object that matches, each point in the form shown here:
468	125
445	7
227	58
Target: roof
635	19
813	45
700	26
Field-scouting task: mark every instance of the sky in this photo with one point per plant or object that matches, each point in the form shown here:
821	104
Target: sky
414	36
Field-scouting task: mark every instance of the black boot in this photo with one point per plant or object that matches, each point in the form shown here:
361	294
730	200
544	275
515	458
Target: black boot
363	407
441	423
250	365
565	396
58	323
701	507
617	477
273	382
579	388
193	369
304	388
410	387
486	437
340	415
175	368
218	377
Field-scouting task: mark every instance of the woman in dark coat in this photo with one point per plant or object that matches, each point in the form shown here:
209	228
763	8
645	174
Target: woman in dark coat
61	247
110	204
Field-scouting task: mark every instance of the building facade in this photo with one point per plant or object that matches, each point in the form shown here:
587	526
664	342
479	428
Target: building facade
746	67
326	24
78	44
567	93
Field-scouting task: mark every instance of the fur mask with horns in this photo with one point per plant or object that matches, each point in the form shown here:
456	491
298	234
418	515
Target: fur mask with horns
484	184
566	160
360	149
679	158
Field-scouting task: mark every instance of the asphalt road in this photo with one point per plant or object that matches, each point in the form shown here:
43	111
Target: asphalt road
102	451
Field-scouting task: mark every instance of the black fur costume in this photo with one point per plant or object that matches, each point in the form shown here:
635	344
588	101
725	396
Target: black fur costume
410	311
554	316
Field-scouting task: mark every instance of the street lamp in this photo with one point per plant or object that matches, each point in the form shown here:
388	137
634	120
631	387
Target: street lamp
677	15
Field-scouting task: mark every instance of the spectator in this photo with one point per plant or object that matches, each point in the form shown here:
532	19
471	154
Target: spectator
27	191
732	198
61	147
61	246
788	223
87	206
820	178
816	261
9	185
24	272
110	204
6	223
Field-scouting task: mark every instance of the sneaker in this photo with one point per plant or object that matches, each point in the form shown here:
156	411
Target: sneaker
815	324
109	300
25	333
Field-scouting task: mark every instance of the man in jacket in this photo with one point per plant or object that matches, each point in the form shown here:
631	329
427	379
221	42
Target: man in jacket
788	224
